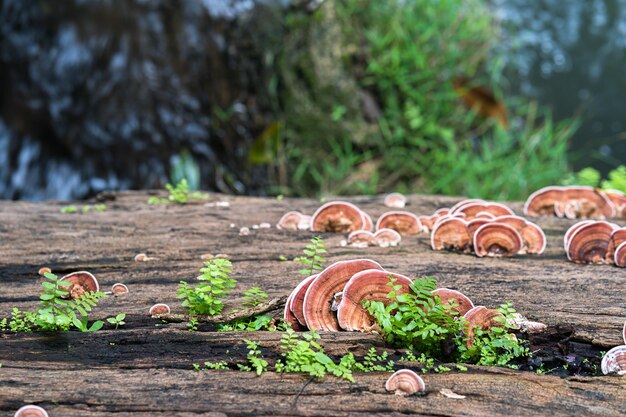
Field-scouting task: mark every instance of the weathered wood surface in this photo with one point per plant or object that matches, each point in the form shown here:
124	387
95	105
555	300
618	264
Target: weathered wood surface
144	368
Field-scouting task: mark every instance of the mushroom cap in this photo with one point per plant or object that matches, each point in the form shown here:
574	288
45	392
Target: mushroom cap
533	238
617	238
361	238
337	216
405	382
427	222
614	361
290	221
619	201
624	332
471	210
298	299
451	233
289	317
559	209
368	224
463	303
395	200
119	288
319	295
387	237
31	411
497	239
482	317
620	257
370	284
571	230
403	222
541	202
590	242
475	223
82	282
592	203
159	309
485	214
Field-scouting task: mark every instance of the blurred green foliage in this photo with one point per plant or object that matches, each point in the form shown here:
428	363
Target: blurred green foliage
364	97
616	179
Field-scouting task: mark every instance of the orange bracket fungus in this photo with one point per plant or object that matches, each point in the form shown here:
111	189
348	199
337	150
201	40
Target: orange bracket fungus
31	411
361	238
288	315
482	317
462	304
319	295
620	256
451	234
119	288
44	270
405	382
497	239
298	299
372	285
368	224
395	200
614	361
82	282
461	203
158	309
294	221
533	238
571	202
617	238
474	224
589	243
338	217
387	237
471	210
403	222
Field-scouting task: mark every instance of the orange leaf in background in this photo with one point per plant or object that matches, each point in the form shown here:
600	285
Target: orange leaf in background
482	100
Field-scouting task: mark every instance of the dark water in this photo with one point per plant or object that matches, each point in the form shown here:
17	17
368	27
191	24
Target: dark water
104	95
571	56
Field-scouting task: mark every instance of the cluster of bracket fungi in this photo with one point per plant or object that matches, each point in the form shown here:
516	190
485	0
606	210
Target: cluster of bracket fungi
484	228
614	361
344	217
83	281
333	300
576	202
596	242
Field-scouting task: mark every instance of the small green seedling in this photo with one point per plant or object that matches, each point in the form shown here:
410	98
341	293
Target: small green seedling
117	320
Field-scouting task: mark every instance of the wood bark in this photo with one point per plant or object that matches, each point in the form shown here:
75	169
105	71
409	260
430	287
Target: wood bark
145	367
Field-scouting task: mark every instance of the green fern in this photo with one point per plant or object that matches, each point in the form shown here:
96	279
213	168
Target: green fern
312	259
215	283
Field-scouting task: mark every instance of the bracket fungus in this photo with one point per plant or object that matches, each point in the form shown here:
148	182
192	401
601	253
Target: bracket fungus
368	224
451	234
361	238
319	296
288	315
405	382
371	284
571	202
533	238
119	288
337	217
158	309
395	200
294	221
403	222
31	411
44	270
461	203
387	237
497	239
614	361
482	317
589	243
462	304
620	256
617	238
474	224
298	299
82	282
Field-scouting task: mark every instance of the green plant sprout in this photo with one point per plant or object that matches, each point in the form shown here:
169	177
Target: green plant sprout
312	258
616	179
254	296
85	209
417	320
214	283
179	194
117	320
